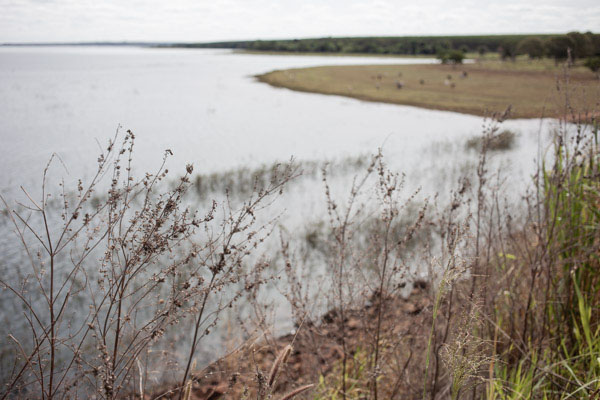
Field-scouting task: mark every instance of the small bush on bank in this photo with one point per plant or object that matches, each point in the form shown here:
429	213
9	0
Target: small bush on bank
593	63
451	57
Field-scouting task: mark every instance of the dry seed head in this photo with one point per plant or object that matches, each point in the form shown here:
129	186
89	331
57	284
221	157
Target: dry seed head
297	391
279	361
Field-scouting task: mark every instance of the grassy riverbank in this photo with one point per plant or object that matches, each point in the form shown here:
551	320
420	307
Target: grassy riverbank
481	88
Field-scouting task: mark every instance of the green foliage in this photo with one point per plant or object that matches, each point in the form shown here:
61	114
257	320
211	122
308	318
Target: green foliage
582	45
569	365
532	46
508	48
593	63
482	49
573	192
558	47
451	57
514	383
408	45
357	377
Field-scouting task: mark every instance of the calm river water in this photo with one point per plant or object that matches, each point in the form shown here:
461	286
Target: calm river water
205	106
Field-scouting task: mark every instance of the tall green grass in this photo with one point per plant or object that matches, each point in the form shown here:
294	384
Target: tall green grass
559	358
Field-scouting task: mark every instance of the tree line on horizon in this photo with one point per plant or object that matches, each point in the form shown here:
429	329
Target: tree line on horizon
555	46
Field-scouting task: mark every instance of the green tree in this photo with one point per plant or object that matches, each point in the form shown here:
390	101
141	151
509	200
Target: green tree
595	41
452	57
593	63
558	47
582	45
508	49
532	46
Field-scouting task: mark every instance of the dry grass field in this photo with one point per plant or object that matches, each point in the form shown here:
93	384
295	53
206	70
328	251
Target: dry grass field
480	88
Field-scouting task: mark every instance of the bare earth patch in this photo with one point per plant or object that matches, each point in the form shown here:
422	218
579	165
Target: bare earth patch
317	354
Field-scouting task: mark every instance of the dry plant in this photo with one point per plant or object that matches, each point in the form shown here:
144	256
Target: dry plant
487	312
369	260
465	354
533	278
267	384
509	308
512	304
109	283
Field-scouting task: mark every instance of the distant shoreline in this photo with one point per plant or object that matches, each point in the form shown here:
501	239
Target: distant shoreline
234	51
99	44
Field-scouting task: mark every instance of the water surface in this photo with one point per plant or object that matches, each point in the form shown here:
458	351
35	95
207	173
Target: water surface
204	105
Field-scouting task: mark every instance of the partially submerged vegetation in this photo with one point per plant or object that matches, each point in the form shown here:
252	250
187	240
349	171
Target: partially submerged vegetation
481	88
505	140
242	182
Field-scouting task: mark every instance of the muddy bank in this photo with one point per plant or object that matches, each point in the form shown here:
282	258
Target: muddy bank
318	351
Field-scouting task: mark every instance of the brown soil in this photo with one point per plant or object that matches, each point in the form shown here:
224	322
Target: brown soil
317	351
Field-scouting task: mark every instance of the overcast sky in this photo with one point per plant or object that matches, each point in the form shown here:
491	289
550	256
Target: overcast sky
202	20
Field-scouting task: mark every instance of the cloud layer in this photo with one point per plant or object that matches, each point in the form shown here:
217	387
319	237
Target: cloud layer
201	20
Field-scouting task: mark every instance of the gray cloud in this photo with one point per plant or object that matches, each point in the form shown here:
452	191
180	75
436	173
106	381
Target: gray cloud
190	20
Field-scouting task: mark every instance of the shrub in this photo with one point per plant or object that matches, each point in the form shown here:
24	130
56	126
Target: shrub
482	50
593	63
106	288
533	47
504	140
452	57
558	47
